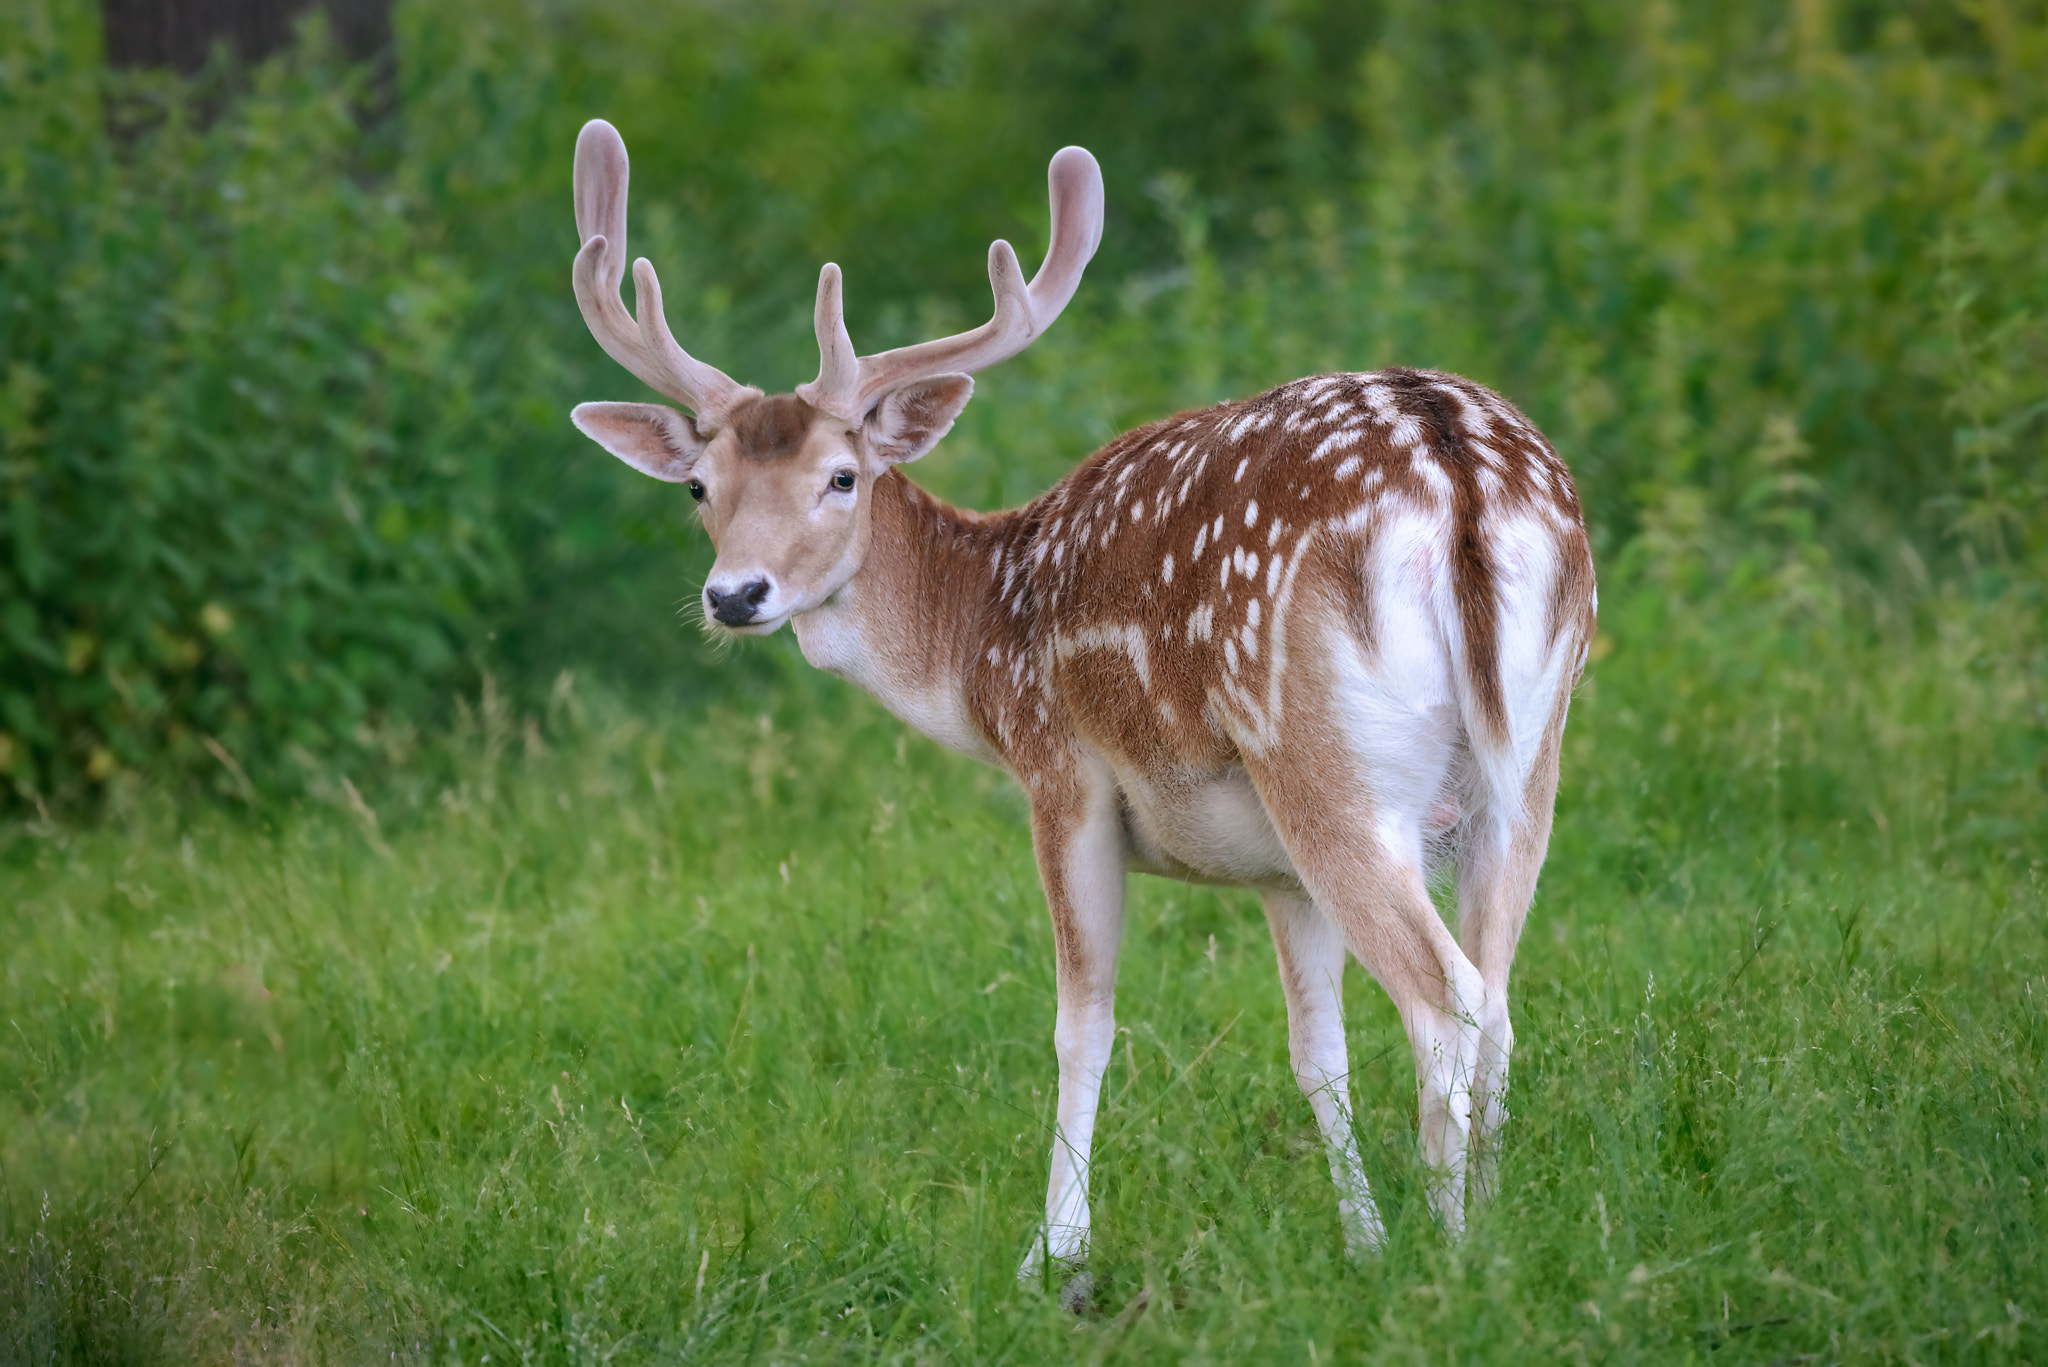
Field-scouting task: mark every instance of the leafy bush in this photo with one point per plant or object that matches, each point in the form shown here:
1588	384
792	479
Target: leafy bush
1772	280
245	511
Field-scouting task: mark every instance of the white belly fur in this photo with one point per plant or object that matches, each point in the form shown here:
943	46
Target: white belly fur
1207	828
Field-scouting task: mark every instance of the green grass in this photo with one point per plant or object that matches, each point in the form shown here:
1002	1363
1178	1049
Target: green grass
725	1035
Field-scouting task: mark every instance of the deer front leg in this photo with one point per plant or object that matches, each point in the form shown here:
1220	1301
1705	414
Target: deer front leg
1079	845
1311	954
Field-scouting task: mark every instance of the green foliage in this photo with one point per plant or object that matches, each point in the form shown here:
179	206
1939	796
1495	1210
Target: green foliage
244	512
1772	281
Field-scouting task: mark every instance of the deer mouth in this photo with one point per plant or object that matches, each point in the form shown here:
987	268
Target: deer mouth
767	626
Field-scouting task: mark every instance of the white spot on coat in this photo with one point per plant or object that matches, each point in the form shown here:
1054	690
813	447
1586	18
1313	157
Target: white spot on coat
1342	437
1127	637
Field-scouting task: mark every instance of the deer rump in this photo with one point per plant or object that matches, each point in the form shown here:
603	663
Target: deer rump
1391	561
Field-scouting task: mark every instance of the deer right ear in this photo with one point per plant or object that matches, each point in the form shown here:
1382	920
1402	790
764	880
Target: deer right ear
653	439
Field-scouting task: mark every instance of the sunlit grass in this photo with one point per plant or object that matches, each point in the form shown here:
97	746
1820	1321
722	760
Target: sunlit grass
727	1034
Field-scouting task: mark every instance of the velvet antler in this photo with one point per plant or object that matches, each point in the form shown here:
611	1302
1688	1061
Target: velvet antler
849	384
643	345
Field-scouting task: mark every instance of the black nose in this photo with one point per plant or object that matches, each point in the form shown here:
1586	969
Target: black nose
736	608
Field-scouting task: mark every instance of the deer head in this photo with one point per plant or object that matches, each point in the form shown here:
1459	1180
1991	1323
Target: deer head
783	482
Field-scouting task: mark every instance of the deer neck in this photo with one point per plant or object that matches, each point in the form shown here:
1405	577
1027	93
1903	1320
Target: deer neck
905	626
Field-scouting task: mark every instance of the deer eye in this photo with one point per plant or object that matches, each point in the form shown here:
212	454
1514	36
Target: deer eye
843	481
697	490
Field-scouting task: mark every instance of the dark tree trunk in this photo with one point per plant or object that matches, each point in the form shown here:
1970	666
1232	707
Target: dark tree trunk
181	33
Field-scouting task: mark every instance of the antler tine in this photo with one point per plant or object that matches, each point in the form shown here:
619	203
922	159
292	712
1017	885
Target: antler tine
645	345
1022	312
838	365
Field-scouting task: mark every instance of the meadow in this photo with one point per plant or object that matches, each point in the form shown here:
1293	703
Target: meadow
417	946
725	1035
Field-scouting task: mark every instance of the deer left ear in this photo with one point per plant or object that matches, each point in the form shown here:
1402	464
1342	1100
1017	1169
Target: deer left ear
910	420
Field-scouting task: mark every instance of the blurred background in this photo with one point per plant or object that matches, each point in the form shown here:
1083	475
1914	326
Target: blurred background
287	345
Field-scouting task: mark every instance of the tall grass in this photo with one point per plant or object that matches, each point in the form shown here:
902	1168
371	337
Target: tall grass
726	1036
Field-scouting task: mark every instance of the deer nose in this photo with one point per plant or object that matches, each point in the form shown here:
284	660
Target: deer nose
737	606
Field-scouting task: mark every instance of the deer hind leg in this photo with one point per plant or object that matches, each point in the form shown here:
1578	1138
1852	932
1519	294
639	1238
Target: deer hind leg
1311	954
1361	861
1079	845
1500	854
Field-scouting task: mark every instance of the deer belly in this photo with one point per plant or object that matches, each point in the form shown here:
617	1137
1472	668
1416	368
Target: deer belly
1211	828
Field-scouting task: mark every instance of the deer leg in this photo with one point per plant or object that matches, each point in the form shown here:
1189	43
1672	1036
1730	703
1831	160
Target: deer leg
1311	954
1079	845
1498	861
1362	865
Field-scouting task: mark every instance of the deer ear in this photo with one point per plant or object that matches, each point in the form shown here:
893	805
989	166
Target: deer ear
653	439
910	419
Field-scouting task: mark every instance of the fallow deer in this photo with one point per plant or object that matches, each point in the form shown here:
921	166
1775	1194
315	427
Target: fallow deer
1310	643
